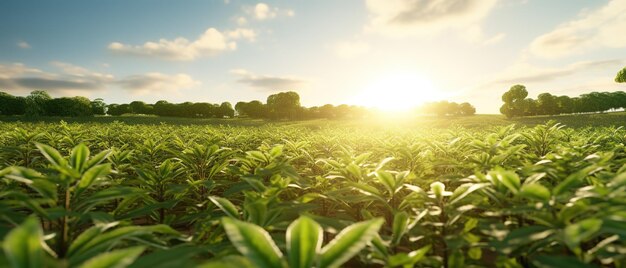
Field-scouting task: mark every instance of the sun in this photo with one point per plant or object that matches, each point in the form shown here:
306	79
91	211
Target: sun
399	91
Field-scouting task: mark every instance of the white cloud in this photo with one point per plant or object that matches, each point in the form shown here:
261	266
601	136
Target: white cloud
601	28
23	45
351	49
409	17
268	82
263	11
72	79
210	43
475	34
524	72
156	82
242	33
241	21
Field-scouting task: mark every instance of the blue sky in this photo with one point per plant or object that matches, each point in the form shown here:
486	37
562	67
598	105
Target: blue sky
371	52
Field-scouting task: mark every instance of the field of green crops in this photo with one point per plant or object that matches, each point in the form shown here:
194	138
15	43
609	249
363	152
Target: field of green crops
309	195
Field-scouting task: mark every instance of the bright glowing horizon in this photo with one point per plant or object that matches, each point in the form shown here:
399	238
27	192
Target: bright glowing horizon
398	92
388	54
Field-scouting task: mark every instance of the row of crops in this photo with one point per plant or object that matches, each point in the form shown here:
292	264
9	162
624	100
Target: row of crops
117	195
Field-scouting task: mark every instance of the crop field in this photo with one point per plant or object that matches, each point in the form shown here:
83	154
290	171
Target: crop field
122	195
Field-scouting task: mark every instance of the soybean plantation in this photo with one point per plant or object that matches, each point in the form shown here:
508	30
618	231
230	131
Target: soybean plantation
120	195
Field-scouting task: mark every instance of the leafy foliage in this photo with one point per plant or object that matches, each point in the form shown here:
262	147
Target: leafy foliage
120	195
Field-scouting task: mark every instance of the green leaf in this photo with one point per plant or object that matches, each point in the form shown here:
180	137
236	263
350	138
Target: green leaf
304	241
535	191
98	241
544	261
226	206
349	242
404	259
230	261
180	256
254	243
569	182
79	156
120	258
578	232
96	159
464	190
91	175
53	156
475	253
23	245
387	180
509	179
400	224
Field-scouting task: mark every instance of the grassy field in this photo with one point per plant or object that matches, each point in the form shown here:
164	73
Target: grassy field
477	121
422	192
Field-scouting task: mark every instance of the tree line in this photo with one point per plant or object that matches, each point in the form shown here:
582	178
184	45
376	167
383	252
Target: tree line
283	105
39	103
446	108
517	103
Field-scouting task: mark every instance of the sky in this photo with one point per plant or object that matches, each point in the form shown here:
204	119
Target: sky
385	53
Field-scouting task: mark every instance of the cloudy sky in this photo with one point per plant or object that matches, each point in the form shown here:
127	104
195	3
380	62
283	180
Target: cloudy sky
329	51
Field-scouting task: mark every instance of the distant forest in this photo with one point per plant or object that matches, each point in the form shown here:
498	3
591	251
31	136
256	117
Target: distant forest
517	103
284	105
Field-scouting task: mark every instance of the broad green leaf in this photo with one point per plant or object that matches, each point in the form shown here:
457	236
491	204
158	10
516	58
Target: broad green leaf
53	156
579	232
91	175
120	258
230	261
180	256
464	190
226	206
23	245
400	224
386	179
99	243
535	191
86	236
96	159
408	259
304	241
79	156
545	261
456	260
254	243
348	243
569	182
509	179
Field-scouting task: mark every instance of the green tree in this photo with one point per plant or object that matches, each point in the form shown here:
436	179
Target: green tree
621	76
11	105
36	103
547	104
467	109
226	109
283	105
514	101
98	106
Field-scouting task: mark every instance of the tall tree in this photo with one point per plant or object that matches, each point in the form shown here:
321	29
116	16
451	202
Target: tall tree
283	105
11	105
514	101
98	106
621	76
36	103
467	109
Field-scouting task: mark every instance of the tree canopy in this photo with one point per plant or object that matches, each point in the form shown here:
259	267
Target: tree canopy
621	76
548	104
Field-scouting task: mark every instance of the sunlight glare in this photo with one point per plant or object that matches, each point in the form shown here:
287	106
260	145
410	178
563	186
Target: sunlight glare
396	92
